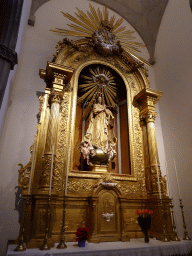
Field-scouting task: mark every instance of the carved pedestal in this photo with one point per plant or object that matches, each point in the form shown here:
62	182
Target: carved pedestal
99	168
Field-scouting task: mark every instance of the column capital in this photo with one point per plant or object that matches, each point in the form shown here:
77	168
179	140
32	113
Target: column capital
148	116
146	100
56	76
56	96
148	97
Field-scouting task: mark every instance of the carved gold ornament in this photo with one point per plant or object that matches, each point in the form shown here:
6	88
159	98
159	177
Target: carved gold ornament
107	36
99	82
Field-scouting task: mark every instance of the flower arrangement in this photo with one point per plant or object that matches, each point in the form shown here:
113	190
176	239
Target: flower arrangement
144	213
82	234
144	221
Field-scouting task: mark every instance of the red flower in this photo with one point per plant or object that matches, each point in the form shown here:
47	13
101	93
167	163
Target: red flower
144	212
82	234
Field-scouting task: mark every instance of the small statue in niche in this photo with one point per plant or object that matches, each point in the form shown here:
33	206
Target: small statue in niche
86	150
110	150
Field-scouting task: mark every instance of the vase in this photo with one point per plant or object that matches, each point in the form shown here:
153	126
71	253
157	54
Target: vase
81	243
145	224
146	236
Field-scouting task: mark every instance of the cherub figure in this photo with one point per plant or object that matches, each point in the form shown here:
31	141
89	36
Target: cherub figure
110	150
86	150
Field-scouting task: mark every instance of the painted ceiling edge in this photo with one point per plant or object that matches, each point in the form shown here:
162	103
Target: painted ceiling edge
148	35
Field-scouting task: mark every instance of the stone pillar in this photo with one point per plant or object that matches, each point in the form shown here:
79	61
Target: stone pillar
10	14
147	99
56	77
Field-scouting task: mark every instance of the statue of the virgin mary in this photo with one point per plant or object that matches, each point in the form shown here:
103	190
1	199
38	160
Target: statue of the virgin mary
96	146
97	132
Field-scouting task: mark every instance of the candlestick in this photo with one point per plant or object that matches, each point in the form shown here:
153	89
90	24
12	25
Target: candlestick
62	244
21	246
168	188
186	237
30	178
51	174
177	181
45	245
158	179
175	238
66	181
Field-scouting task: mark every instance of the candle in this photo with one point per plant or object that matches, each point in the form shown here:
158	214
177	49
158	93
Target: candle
158	180
67	172
168	188
30	178
51	174
177	180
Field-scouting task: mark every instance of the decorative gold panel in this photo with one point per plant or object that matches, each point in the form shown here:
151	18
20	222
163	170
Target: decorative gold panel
107	204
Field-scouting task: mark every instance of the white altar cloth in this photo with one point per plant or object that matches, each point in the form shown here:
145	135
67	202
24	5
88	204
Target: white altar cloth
136	247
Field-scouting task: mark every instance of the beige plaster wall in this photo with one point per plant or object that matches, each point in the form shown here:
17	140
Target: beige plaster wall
174	77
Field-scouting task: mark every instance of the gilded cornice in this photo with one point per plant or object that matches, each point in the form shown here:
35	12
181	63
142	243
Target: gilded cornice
88	175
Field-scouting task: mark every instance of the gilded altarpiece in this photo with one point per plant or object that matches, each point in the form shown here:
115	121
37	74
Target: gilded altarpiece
104	200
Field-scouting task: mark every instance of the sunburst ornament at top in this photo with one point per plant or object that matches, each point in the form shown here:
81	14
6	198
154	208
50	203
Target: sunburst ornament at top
99	82
107	35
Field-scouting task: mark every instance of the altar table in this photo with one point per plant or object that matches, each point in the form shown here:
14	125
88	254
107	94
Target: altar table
136	247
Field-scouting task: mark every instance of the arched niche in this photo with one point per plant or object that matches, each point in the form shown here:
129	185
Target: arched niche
118	127
133	81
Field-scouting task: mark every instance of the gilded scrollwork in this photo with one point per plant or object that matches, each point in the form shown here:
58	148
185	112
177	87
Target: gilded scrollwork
80	186
128	189
164	184
131	82
24	175
57	178
129	220
25	172
137	137
46	170
87	46
41	102
62	142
